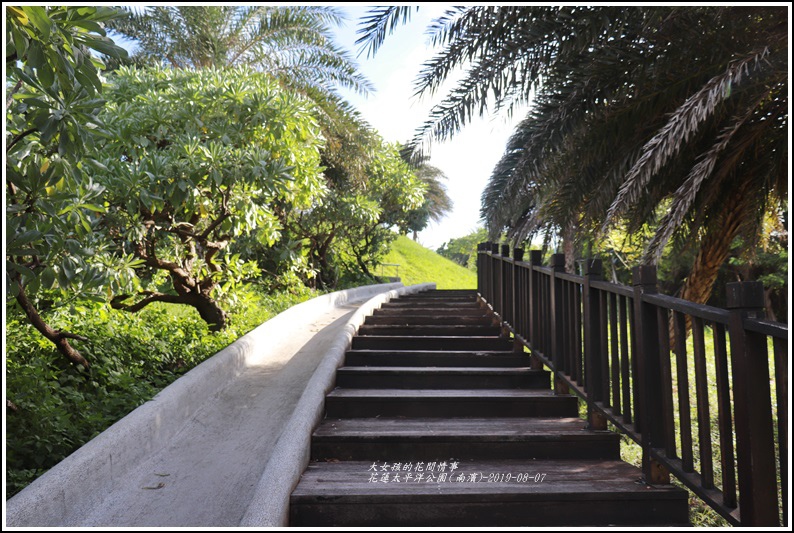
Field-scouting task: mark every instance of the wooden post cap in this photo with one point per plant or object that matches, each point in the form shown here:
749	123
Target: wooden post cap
745	294
644	275
592	267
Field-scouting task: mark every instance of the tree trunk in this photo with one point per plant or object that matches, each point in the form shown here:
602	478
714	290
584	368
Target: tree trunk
715	246
210	312
568	241
58	338
207	308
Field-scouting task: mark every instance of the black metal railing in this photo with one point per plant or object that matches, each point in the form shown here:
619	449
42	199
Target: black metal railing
703	390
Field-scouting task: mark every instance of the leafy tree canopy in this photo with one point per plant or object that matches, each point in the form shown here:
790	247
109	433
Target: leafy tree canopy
198	159
52	115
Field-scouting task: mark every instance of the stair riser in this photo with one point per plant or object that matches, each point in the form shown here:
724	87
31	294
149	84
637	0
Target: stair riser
416	449
440	297
443	293
430	343
420	381
431	330
407	320
601	512
451	407
428	311
420	304
434	359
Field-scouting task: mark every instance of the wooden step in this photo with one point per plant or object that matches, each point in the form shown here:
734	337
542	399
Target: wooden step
427	320
472	296
459	358
415	439
432	304
431	330
430	311
386	377
443	293
548	493
436	403
449	343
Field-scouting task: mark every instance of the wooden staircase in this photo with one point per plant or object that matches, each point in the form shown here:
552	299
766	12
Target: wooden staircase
436	421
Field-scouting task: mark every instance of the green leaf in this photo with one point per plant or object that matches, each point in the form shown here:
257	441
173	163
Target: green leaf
105	46
47	278
94	208
45	74
12	287
217	177
21	42
25	238
89	25
38	16
91	83
68	268
36	57
25	272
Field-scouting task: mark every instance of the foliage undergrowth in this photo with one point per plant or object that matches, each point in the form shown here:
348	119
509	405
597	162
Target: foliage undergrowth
56	407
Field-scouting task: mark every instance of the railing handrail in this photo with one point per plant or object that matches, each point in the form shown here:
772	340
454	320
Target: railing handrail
579	325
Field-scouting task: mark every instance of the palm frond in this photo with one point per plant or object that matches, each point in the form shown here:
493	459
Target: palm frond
379	22
683	123
684	196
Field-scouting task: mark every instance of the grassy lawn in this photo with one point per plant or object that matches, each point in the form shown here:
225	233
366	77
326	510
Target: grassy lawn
420	265
700	513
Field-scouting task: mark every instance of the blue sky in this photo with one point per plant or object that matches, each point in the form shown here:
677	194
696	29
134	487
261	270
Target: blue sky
467	159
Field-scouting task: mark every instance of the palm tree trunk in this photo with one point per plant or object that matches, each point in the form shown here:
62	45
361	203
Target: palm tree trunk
715	247
568	249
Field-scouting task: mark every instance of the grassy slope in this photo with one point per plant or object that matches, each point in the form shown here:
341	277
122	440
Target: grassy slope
419	265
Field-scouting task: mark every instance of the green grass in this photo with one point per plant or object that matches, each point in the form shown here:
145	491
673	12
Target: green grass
420	265
700	512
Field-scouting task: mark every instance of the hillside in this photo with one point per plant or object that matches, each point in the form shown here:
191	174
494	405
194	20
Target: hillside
419	265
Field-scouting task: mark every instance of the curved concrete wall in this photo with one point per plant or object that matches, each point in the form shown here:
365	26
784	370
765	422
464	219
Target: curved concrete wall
81	481
270	504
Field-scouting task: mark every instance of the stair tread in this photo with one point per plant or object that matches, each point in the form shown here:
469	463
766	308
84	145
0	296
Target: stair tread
453	337
488	433
448	353
463	327
430	311
440	370
429	330
468	394
465	429
564	480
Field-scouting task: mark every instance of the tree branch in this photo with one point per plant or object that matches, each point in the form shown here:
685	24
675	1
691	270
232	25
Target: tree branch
67	335
152	261
223	216
116	302
19	137
16	87
58	338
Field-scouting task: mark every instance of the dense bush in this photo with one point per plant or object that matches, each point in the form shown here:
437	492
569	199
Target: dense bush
54	407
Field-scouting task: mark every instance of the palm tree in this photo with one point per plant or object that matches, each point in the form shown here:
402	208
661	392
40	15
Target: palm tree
437	202
670	116
293	43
